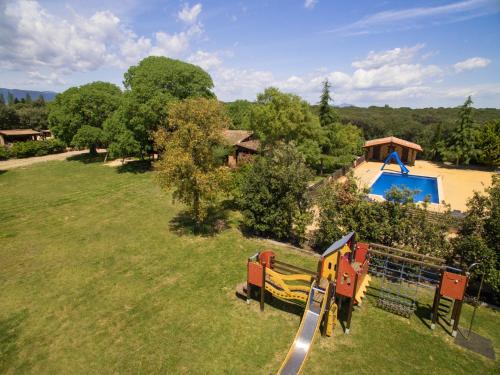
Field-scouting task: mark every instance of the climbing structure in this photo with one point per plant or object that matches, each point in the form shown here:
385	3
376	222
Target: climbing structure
402	275
342	274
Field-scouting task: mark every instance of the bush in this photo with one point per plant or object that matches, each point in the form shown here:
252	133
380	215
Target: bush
273	194
4	153
396	222
36	148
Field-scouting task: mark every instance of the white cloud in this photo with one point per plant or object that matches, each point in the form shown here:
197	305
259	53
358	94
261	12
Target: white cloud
35	77
409	18
472	63
389	57
393	76
310	4
207	60
189	15
33	38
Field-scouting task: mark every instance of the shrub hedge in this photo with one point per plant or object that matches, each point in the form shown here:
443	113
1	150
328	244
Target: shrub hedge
32	148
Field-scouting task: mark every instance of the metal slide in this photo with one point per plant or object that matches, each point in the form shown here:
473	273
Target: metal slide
311	320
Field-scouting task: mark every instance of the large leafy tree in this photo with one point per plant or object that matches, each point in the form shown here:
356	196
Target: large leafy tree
176	78
151	87
273	194
88	137
188	162
462	145
90	104
478	238
280	117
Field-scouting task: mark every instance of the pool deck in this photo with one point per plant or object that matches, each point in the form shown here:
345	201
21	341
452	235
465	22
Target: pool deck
455	184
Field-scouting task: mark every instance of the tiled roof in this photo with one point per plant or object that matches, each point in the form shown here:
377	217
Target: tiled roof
19	132
398	141
233	137
252	145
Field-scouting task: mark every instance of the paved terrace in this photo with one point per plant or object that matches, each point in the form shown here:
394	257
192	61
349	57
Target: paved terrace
458	183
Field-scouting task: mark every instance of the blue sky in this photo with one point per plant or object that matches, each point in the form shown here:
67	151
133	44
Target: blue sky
401	53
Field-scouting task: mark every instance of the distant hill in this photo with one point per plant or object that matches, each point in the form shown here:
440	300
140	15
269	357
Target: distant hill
19	94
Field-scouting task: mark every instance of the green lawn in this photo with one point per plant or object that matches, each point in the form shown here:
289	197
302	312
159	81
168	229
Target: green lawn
97	276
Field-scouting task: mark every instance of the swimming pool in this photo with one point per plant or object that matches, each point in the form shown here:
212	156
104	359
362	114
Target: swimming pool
426	186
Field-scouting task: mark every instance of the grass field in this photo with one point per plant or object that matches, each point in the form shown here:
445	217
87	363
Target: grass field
99	276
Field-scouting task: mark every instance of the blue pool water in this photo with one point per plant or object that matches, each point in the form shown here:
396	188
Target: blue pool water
424	185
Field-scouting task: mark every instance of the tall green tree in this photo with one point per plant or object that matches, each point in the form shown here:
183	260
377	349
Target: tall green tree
273	194
40	101
2	99
488	143
327	114
239	112
281	117
90	104
27	99
462	145
10	98
32	116
188	162
9	119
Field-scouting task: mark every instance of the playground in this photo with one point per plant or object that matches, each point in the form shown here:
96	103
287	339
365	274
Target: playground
457	183
101	274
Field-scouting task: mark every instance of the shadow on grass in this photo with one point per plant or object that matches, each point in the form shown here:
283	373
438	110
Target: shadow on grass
88	158
10	329
2	172
136	167
184	224
269	300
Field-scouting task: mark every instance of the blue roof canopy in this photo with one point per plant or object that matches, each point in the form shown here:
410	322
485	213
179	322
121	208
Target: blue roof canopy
337	245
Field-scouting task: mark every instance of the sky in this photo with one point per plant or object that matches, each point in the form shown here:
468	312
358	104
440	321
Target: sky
401	53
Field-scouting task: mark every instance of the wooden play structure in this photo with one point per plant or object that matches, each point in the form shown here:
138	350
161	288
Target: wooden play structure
342	274
341	278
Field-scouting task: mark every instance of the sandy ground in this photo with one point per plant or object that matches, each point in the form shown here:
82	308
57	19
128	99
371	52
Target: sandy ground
458	184
18	163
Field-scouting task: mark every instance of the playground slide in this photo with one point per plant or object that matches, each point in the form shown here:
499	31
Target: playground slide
394	155
304	338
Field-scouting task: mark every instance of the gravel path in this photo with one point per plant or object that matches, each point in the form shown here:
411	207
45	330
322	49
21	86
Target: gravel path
17	163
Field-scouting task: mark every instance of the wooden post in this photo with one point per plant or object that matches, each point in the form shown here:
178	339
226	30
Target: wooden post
327	308
454	311
457	318
263	287
249	286
435	306
351	307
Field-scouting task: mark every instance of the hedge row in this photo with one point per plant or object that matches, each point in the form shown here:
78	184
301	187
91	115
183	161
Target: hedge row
32	148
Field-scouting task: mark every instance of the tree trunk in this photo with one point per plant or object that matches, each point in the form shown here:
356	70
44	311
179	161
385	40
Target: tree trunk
92	150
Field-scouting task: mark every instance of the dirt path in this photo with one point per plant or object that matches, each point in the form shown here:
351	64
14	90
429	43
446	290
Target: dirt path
17	163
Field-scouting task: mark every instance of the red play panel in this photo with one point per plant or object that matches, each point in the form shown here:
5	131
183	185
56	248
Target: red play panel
453	285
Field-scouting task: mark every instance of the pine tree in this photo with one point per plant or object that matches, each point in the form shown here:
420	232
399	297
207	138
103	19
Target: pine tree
40	101
2	99
462	147
28	98
327	114
10	98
